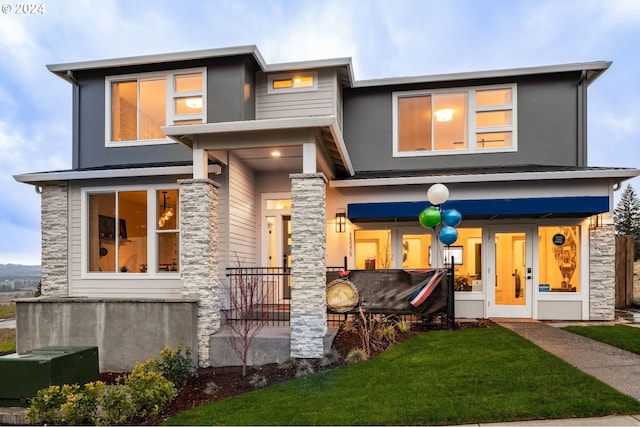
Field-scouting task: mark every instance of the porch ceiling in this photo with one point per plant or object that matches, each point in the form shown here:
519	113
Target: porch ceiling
255	140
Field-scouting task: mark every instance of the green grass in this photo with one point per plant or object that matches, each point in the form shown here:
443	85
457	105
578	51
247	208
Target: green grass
445	377
621	336
7	340
7	312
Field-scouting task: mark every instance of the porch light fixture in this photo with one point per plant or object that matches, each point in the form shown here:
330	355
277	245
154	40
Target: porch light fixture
595	221
167	212
341	221
444	115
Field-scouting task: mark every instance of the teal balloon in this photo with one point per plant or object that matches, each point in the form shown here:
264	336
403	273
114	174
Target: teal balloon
448	235
430	217
451	217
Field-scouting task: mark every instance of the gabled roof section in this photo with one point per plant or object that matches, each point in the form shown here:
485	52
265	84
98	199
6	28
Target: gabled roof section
592	69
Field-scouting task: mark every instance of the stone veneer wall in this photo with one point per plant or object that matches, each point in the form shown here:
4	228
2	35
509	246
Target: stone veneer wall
55	222
199	257
308	260
602	291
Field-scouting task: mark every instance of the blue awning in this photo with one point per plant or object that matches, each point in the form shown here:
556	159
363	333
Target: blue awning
535	207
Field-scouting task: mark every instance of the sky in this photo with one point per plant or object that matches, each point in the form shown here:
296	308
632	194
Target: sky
384	38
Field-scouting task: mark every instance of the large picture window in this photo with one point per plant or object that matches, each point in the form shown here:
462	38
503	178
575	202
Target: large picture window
559	259
118	237
469	120
140	105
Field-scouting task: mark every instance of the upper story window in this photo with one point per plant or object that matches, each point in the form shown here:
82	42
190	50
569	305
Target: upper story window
139	105
466	120
296	82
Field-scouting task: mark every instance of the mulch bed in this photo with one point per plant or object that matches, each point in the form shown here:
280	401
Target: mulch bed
229	380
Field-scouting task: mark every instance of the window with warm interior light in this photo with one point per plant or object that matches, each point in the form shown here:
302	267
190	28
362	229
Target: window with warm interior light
469	120
292	82
559	259
117	231
139	105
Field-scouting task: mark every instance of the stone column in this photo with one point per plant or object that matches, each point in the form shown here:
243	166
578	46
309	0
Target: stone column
308	260
55	240
602	254
199	257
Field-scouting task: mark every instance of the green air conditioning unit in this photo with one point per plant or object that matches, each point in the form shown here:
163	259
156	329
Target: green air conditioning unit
26	373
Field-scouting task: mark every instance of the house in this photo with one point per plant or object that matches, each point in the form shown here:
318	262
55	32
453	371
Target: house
187	164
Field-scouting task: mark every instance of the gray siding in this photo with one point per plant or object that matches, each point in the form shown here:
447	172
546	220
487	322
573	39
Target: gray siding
230	97
321	102
547	127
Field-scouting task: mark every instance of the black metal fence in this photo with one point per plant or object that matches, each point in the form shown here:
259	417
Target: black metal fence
264	294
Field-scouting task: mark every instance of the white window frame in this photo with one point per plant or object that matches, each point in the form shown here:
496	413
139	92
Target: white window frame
472	129
152	234
291	76
171	96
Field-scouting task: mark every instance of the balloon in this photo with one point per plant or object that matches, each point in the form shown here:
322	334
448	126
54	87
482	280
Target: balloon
448	235
438	194
451	217
430	217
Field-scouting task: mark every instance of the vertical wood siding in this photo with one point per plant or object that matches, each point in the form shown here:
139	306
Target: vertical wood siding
243	239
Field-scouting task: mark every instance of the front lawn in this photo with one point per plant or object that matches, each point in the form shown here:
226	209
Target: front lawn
444	377
621	336
7	340
7	312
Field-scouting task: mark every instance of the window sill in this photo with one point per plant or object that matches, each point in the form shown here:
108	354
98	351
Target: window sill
119	144
429	153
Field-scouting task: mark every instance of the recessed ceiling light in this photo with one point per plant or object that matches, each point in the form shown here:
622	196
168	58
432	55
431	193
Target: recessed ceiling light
275	153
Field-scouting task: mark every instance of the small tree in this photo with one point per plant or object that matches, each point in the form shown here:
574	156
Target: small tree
244	318
626	216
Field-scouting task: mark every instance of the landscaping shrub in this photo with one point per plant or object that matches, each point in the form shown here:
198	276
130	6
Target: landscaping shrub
45	405
148	388
176	365
117	407
144	393
81	407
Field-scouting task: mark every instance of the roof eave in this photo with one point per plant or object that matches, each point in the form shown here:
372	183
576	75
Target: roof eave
61	70
595	69
614	174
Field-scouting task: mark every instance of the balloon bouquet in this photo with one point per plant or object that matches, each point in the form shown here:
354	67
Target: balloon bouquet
431	217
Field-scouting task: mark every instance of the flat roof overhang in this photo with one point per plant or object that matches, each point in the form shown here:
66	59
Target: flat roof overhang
535	207
483	174
126	171
247	134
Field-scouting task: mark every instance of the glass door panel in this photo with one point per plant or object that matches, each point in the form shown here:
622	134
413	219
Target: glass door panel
510	272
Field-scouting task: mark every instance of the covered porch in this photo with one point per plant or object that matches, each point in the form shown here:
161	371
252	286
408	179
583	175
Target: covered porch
310	151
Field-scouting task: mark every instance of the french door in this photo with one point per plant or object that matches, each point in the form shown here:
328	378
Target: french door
510	271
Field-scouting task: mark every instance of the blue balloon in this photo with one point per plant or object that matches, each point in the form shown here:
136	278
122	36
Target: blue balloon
448	235
451	217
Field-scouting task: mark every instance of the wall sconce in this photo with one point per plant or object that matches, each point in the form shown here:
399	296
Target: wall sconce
595	221
341	221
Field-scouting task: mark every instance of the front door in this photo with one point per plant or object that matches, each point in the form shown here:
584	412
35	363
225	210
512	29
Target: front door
510	272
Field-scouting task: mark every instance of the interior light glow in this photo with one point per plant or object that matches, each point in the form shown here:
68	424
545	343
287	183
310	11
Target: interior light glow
275	153
444	115
193	102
